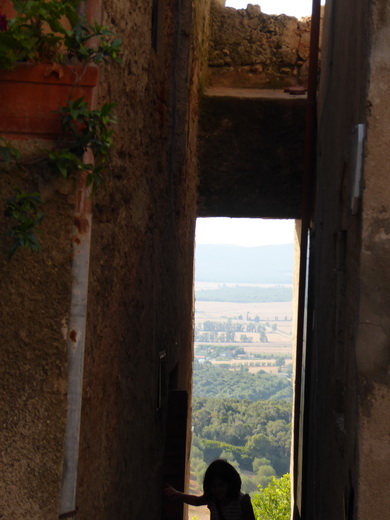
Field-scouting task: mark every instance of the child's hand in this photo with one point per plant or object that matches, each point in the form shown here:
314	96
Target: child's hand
170	492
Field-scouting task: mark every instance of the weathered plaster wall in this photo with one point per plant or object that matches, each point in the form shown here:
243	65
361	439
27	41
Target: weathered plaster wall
34	307
140	300
373	347
140	294
331	438
251	49
346	456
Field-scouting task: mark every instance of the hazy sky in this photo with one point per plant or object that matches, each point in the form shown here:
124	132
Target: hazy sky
298	8
246	232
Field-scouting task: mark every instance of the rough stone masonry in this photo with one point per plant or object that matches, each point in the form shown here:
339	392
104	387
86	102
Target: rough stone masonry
250	49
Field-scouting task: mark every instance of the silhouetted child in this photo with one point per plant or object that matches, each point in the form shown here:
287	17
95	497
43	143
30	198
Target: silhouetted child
221	493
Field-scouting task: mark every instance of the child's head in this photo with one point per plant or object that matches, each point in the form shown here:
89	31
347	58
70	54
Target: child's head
221	480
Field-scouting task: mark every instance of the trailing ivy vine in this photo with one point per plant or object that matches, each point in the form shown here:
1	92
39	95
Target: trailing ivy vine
26	210
83	129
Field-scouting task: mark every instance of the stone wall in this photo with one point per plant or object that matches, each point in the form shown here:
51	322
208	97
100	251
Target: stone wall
250	49
373	353
140	286
346	448
140	298
34	307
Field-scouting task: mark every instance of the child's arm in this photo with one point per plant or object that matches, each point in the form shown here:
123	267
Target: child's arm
246	508
192	500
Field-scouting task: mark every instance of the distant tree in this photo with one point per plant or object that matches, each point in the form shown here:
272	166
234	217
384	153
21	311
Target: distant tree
199	468
230	336
196	453
249	484
258	446
258	462
209	325
211	380
264	475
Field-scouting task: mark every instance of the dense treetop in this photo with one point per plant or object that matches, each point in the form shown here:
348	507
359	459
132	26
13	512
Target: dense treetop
254	435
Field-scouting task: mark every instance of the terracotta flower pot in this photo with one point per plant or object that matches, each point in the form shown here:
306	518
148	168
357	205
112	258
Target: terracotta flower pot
7	8
32	94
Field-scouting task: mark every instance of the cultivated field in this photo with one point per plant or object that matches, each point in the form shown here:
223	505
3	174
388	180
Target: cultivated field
274	314
266	311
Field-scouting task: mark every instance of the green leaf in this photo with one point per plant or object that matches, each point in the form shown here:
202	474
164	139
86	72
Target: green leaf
25	209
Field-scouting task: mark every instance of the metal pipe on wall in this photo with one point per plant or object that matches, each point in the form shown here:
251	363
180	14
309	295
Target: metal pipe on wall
81	241
76	342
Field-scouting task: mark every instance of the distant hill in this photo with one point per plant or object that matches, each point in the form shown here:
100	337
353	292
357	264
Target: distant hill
227	263
245	294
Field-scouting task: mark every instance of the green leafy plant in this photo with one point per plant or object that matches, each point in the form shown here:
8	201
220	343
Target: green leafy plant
52	31
37	31
25	209
84	130
77	42
273	502
8	153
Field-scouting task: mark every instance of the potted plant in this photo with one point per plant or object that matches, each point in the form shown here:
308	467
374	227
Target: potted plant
48	55
49	59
